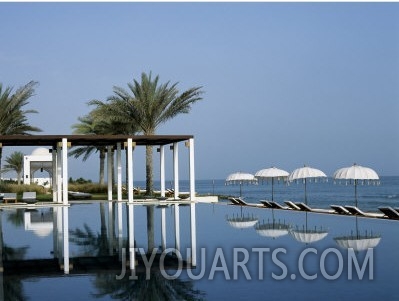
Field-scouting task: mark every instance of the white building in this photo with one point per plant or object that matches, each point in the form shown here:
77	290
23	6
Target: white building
38	167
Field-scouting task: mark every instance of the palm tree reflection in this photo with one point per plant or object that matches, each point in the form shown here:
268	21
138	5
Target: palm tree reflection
16	217
157	287
12	285
92	243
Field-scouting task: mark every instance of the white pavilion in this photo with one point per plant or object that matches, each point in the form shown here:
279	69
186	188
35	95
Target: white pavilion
38	167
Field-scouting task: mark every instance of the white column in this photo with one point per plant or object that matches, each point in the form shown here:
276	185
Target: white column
55	231
111	224
163	210
65	171
54	178
60	249
120	230
193	227
177	227
59	174
162	167
193	235
131	237
26	180
109	172
163	228
119	171
192	169
176	168
130	169
66	239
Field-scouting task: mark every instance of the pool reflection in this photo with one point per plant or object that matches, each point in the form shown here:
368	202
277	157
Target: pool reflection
100	246
87	253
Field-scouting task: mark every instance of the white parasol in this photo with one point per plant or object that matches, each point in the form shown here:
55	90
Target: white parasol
357	173
241	222
307	234
241	178
306	173
274	229
357	241
272	173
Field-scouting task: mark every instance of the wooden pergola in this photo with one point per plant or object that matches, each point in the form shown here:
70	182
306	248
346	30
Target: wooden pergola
59	145
59	148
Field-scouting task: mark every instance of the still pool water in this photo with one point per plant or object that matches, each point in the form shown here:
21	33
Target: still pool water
233	262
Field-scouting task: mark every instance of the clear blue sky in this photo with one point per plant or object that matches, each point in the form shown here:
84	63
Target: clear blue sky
285	84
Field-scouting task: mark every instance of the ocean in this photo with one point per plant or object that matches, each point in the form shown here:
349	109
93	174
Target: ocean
320	194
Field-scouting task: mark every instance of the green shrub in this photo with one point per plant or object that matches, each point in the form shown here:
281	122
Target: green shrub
88	187
19	189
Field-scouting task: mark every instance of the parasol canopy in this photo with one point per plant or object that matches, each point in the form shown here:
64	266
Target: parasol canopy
358	241
273	230
308	234
357	173
306	173
272	173
242	222
241	178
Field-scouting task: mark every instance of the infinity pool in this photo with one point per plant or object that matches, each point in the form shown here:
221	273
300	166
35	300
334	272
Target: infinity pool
241	253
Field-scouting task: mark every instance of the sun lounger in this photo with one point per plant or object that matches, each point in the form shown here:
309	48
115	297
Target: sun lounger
356	211
9	197
241	202
234	201
29	197
340	209
305	207
389	212
292	205
276	205
266	204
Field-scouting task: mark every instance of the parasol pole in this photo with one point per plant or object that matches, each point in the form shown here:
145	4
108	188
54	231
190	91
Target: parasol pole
306	199
272	188
356	192
357	229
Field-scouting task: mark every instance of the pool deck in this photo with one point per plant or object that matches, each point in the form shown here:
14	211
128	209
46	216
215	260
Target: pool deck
353	211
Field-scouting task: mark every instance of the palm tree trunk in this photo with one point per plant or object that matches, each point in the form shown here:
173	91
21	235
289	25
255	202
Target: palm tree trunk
150	228
1	155
148	169
149	191
102	160
103	234
19	178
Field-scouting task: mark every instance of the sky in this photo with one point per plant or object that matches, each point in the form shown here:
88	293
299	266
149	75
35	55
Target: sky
285	84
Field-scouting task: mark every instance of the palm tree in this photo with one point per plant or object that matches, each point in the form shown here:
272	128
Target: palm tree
97	122
87	127
13	120
148	104
15	162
